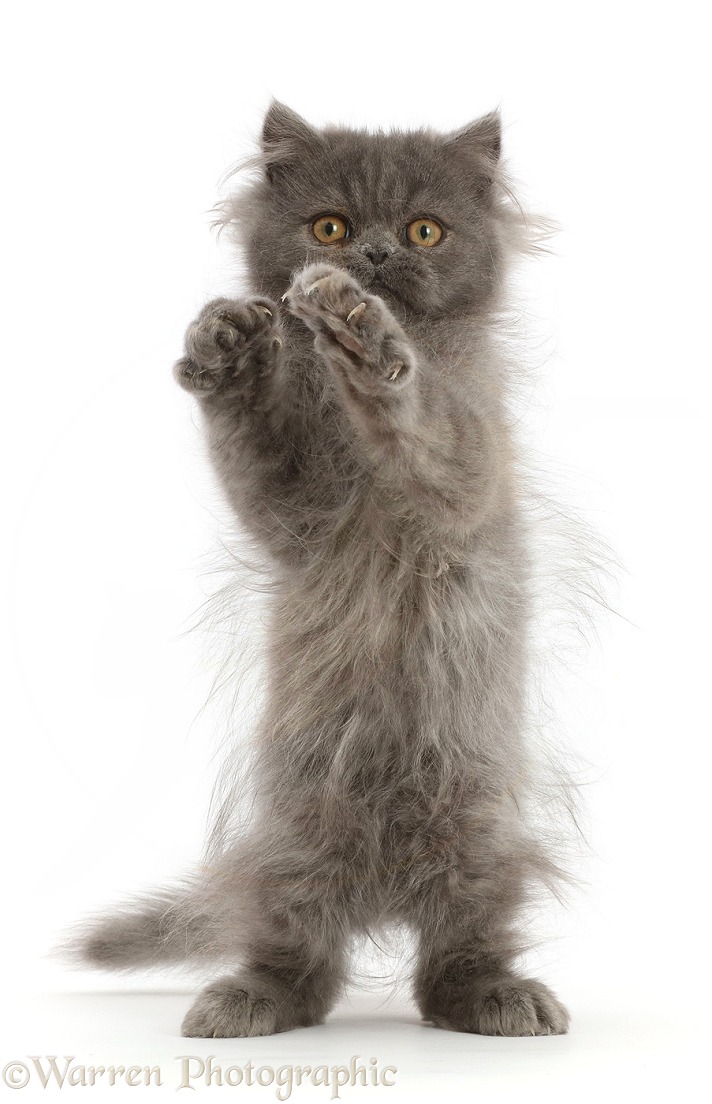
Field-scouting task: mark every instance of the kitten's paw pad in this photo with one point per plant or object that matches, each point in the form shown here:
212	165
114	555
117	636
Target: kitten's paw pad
227	1011
216	342
355	331
513	1007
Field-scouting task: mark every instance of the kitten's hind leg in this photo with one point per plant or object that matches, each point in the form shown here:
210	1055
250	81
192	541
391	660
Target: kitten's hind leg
465	978
265	998
293	949
456	992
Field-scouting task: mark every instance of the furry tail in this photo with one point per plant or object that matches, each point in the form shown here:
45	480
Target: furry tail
170	927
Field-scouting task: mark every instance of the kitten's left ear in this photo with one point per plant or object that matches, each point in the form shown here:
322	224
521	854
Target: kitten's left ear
481	138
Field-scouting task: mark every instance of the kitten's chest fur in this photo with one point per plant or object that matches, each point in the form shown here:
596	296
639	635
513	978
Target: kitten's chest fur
392	630
389	638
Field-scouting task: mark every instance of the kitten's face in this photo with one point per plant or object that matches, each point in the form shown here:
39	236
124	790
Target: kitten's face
373	204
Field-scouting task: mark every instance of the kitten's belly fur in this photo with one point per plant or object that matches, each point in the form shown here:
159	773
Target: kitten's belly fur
383	624
396	698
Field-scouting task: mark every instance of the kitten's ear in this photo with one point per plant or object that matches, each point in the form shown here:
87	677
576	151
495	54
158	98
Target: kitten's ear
481	138
285	137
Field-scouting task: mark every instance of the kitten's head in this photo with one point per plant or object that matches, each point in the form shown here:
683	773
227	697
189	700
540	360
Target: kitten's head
420	218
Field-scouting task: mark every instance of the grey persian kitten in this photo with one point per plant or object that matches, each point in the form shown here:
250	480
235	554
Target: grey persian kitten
355	405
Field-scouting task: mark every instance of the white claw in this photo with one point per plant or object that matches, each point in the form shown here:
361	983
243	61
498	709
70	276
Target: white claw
284	297
356	312
316	283
278	342
266	310
394	374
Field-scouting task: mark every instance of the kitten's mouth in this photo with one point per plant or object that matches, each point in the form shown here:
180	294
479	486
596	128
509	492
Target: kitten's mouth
365	273
375	278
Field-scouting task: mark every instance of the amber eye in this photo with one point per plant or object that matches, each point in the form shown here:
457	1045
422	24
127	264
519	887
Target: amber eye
330	228
424	231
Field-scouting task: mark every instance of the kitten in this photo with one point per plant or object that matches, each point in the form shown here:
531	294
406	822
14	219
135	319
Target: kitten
355	406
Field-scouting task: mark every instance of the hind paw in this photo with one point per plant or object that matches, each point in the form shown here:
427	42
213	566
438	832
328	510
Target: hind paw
229	1010
507	1006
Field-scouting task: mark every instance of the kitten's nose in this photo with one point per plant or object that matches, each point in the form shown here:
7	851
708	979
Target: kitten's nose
376	254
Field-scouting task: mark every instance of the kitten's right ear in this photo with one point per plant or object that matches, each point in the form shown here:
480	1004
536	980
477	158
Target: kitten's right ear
285	137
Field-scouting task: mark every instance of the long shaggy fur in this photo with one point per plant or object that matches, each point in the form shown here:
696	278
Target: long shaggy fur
369	453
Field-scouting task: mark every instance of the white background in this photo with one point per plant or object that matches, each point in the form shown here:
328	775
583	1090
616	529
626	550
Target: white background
119	121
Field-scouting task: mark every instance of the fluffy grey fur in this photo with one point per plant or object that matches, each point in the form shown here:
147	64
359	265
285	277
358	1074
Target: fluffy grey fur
361	431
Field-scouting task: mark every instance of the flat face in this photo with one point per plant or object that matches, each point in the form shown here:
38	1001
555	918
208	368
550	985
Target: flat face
409	215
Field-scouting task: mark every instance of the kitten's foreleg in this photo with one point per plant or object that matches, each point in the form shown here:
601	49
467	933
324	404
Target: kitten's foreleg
355	331
233	365
438	458
231	348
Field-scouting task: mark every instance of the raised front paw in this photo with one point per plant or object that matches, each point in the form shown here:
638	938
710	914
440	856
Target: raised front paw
508	1005
354	331
225	339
